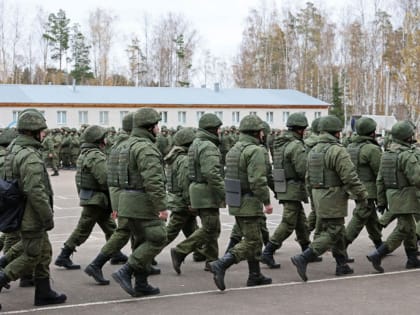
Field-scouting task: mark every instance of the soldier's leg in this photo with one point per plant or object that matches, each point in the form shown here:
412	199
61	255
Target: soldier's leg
301	230
118	239
249	248
417	218
177	221
311	221
264	230
374	228
287	224
12	238
330	230
190	225
410	242
386	218
339	251
107	224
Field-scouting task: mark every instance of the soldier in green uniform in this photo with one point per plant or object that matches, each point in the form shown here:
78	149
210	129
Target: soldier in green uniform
398	183
163	141
92	187
142	201
246	195
289	168
365	154
58	138
74	147
110	139
207	192
49	151
65	149
24	163
122	234
333	178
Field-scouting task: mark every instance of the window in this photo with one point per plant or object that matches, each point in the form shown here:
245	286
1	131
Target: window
83	117
253	113
164	117
61	117
285	117
269	117
236	117
317	115
219	114
199	114
182	117
103	117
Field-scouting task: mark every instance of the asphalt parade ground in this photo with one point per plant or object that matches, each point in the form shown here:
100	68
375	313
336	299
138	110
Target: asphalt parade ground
193	292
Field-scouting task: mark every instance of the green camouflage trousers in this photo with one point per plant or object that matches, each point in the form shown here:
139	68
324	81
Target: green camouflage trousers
249	247
184	221
118	239
236	233
404	232
332	235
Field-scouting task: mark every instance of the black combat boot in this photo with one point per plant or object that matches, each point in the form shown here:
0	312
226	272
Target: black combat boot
123	277
44	295
94	269
301	261
218	268
177	260
342	268
118	258
27	281
3	261
55	173
231	244
4	281
255	276
376	256
63	260
154	271
412	260
377	243
142	287
314	258
198	256
267	256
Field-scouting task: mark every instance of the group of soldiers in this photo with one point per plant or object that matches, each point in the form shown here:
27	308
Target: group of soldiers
128	189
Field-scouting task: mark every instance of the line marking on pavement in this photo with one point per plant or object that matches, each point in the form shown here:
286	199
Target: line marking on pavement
159	297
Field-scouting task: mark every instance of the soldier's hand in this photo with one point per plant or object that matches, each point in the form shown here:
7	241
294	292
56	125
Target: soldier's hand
114	214
381	209
268	209
163	215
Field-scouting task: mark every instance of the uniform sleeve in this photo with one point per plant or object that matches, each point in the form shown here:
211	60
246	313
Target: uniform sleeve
99	169
373	158
257	173
183	179
411	167
210	169
380	186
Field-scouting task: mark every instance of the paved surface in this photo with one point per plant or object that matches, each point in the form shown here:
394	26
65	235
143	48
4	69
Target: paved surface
394	292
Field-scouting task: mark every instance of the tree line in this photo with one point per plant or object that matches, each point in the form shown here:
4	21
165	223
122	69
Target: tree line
361	65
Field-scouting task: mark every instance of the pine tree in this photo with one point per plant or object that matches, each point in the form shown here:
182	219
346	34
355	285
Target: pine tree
80	55
337	106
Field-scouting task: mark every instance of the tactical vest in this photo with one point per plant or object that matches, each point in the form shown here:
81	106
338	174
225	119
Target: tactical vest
128	174
233	170
280	162
393	177
113	166
84	177
319	175
172	184
9	157
194	169
364	171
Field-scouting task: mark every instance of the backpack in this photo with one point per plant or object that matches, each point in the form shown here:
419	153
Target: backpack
12	206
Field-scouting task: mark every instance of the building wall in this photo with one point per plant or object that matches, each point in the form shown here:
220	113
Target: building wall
172	116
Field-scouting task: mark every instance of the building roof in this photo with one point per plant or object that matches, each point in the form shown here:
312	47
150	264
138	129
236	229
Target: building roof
67	94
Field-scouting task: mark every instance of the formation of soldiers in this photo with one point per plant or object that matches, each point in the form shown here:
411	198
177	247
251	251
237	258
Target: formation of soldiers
128	181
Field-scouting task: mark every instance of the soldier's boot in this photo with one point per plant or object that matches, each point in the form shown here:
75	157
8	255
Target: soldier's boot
55	173
349	260
44	295
377	243
154	271
154	262
4	281
376	256
313	258
177	260
3	261
219	267
123	277
118	258
412	260
63	260
342	268
198	256
231	244
27	281
255	276
267	256
94	269
301	262
142	287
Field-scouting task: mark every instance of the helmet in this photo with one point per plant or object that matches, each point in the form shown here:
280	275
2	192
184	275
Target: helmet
31	119
184	136
330	123
7	136
251	123
297	120
402	130
209	120
93	134
127	122
365	126
145	117
266	127
315	125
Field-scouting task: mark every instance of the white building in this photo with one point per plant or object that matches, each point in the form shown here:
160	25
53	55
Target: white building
72	106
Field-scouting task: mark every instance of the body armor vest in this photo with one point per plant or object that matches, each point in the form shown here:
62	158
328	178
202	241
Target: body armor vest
393	177
233	170
319	175
128	174
364	171
113	166
193	164
172	183
279	162
84	177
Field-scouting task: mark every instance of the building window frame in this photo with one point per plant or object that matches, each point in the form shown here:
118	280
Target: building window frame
236	117
269	117
164	117
182	117
104	117
61	117
83	117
